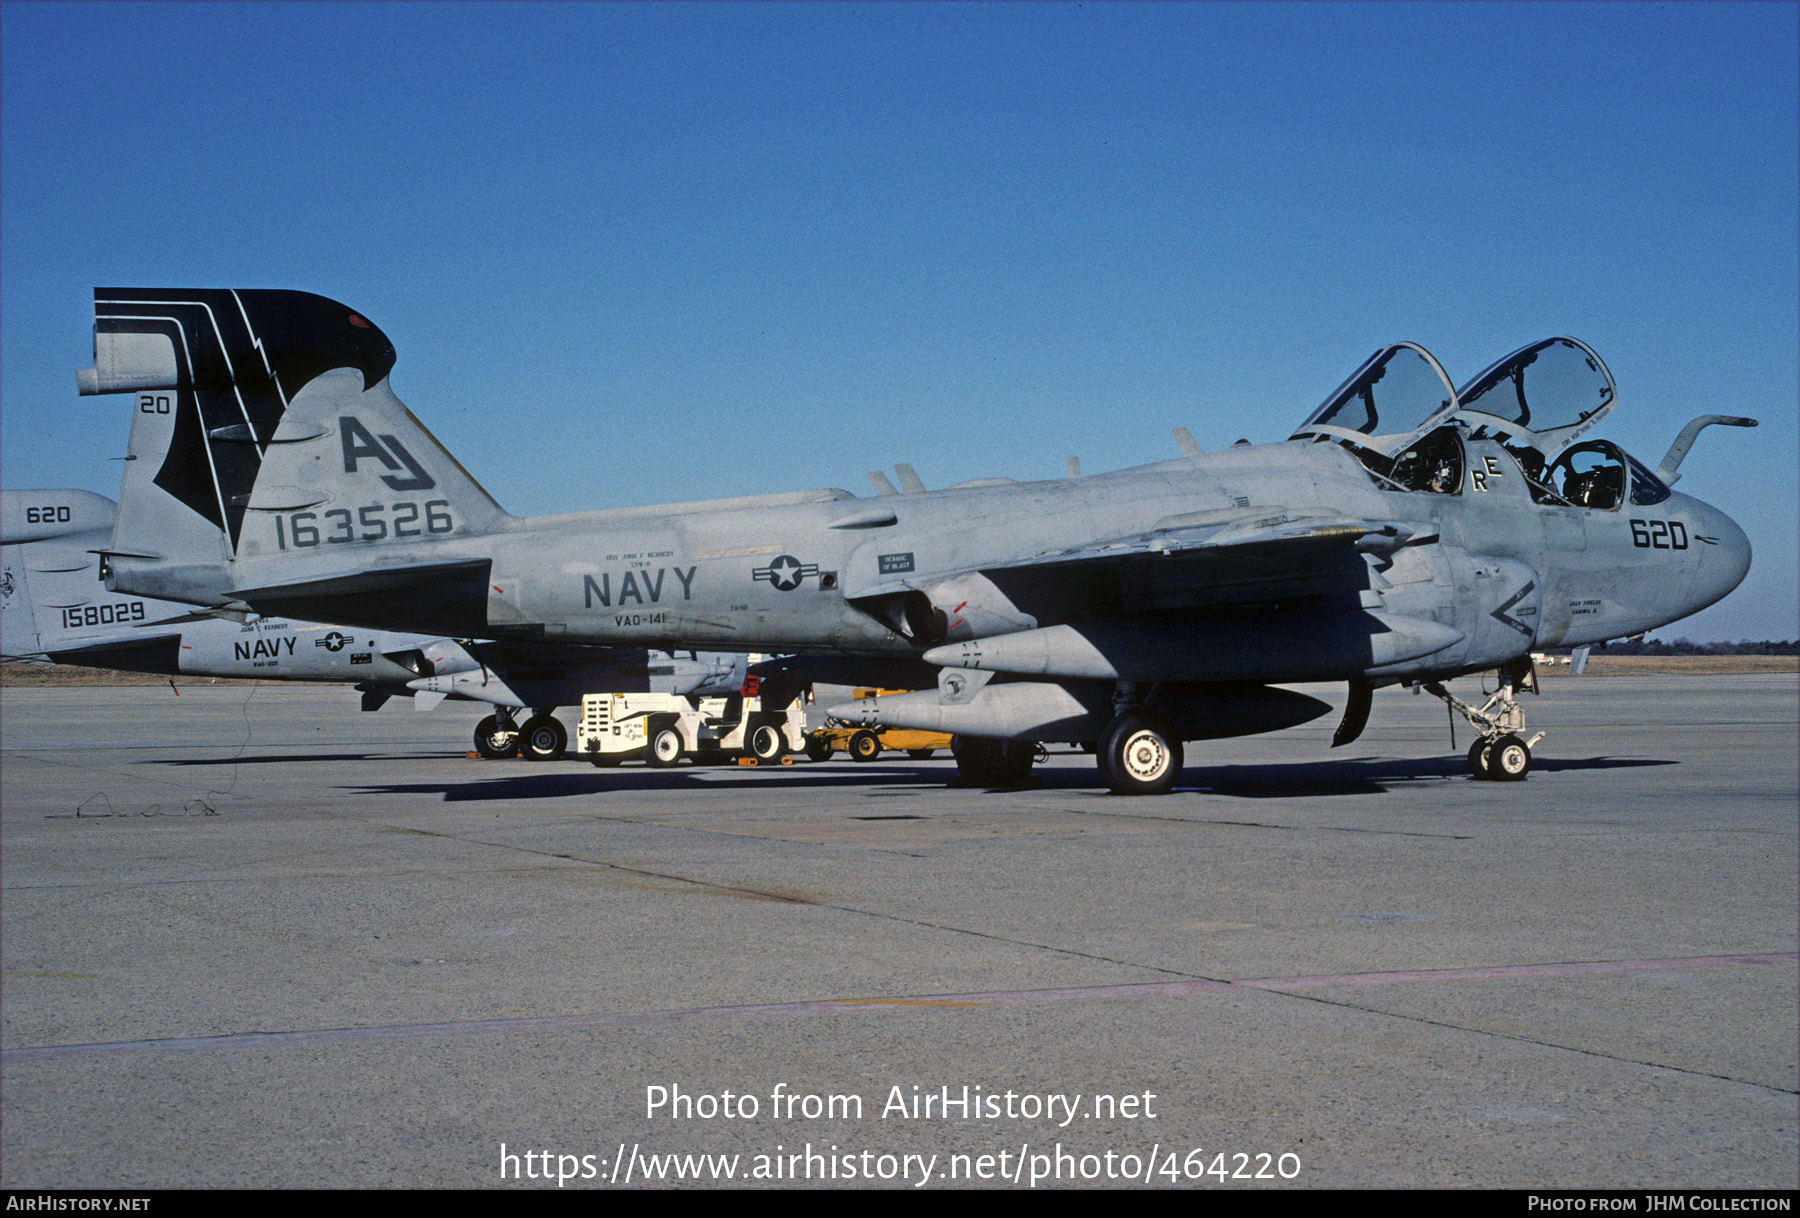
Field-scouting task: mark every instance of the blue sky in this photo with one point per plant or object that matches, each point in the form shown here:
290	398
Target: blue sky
636	254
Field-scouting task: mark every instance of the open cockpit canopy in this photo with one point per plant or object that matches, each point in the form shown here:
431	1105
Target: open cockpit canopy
1538	401
1544	396
1399	392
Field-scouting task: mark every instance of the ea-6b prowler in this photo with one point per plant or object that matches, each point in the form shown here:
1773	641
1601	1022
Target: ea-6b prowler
1405	533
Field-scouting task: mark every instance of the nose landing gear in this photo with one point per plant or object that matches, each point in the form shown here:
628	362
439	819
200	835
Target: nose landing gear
1501	753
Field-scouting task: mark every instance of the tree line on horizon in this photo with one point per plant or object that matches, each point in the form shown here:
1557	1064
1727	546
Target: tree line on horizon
1687	647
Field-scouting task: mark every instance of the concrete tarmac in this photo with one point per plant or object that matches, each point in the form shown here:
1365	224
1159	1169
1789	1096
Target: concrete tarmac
251	937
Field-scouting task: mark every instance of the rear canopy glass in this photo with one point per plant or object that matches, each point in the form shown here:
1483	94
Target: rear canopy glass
1554	384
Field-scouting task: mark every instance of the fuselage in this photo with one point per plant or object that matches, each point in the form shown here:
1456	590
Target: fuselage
810	571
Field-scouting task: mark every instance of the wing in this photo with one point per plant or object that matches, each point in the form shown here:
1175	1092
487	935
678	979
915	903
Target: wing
1269	533
1201	561
1267	597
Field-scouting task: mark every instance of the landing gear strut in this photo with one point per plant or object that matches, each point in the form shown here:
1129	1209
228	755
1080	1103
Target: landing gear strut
1500	753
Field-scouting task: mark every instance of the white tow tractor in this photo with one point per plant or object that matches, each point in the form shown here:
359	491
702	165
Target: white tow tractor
664	728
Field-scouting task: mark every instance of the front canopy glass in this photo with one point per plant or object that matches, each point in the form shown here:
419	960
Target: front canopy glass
1385	402
1593	474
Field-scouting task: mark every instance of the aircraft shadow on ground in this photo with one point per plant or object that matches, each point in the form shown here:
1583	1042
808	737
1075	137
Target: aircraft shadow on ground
280	759
1284	780
559	782
1371	776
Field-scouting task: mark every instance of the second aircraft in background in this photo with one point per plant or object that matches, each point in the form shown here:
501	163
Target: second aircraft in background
55	607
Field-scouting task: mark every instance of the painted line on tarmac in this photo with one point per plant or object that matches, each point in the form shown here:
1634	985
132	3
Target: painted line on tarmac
1507	972
837	1006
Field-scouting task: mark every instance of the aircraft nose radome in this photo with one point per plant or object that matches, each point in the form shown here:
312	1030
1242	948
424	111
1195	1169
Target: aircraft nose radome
1724	560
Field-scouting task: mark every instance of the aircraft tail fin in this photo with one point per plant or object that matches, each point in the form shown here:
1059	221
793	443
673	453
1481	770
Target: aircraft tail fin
44	539
266	444
54	605
18	617
28	516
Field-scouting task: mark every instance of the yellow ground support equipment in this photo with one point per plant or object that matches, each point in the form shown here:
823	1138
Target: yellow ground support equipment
865	744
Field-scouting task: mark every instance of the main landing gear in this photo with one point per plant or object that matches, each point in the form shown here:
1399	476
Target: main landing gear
1500	753
1139	753
983	762
497	736
543	738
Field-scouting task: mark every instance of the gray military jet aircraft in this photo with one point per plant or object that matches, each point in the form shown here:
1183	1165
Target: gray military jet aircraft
55	609
1404	533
